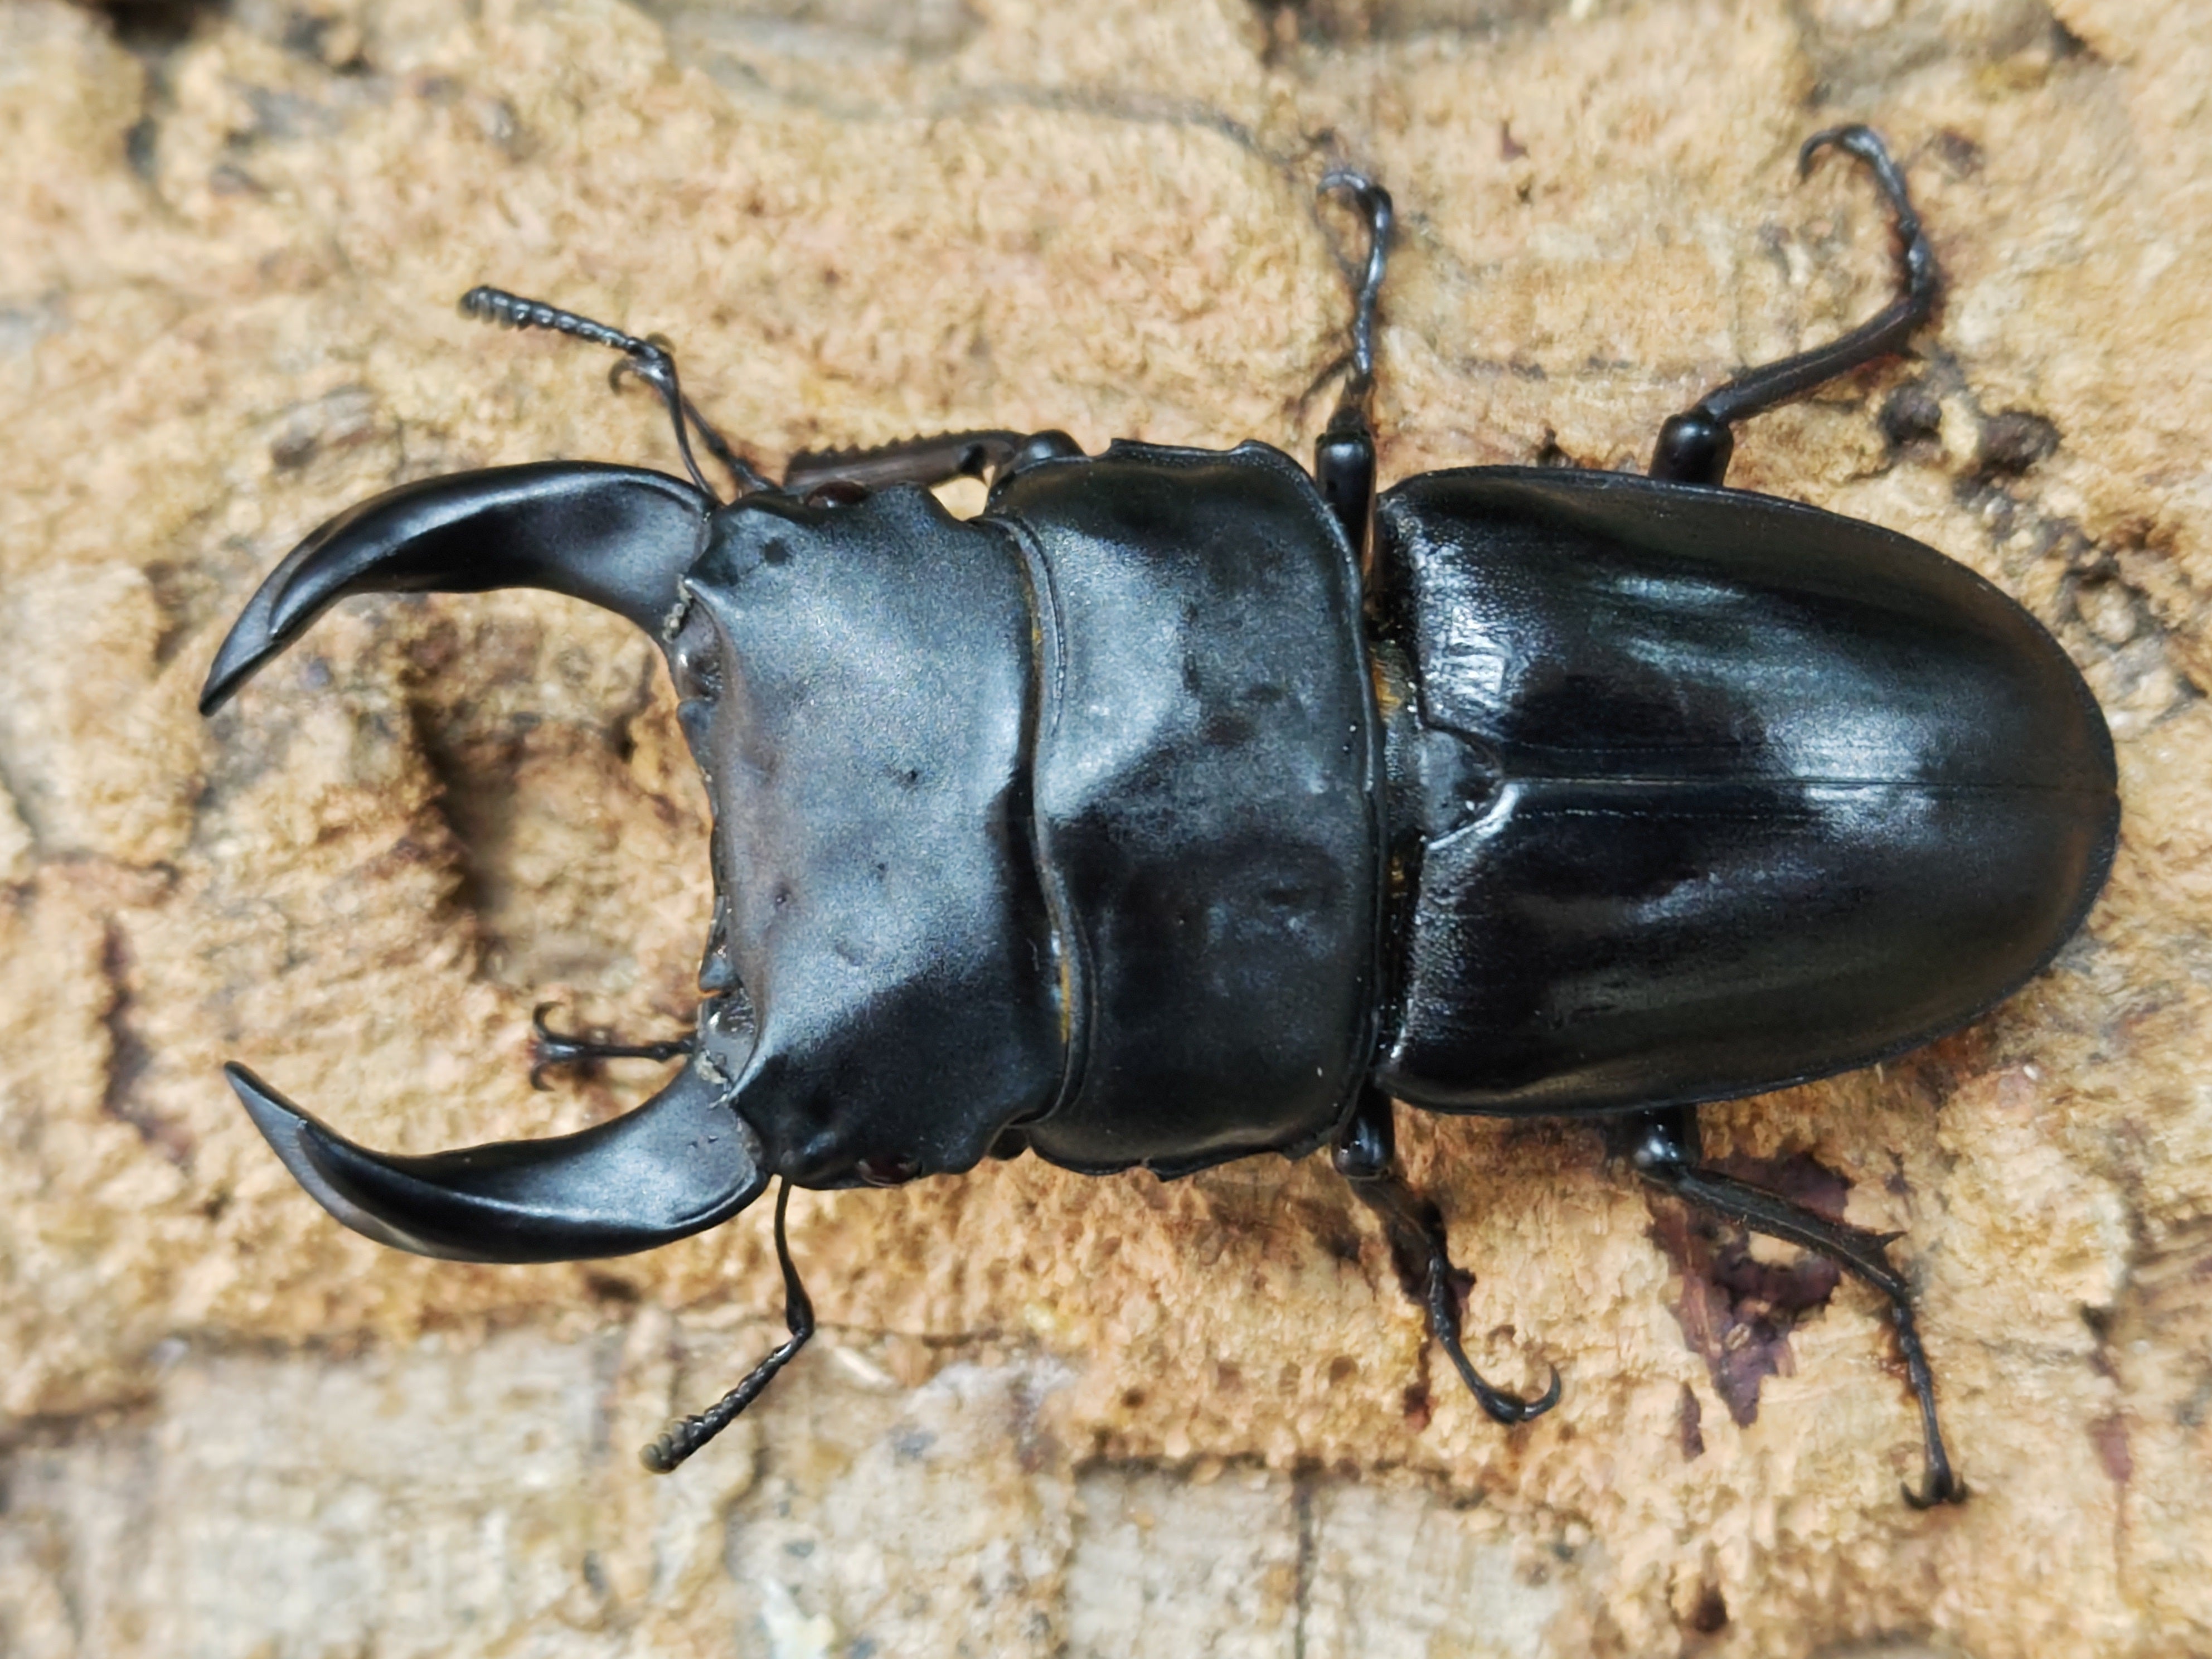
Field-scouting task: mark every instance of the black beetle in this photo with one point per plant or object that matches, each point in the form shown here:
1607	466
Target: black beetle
1130	823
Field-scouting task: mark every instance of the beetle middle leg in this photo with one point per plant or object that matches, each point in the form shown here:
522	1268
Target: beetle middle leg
686	1435
1344	454
1694	447
1663	1146
1367	1155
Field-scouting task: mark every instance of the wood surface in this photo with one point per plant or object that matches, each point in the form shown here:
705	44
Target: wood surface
1048	1414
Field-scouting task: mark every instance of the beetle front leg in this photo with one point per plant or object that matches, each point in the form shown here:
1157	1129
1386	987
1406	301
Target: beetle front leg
937	459
1366	1155
550	1048
686	1435
1661	1146
1694	447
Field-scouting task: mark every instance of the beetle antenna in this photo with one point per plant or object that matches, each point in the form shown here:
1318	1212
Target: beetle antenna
687	1434
748	477
650	360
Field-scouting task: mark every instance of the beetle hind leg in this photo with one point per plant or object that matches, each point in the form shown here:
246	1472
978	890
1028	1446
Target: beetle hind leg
1661	1146
1694	447
1367	1157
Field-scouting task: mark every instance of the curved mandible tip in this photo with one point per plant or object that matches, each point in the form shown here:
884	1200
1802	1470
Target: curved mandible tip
620	536
683	1162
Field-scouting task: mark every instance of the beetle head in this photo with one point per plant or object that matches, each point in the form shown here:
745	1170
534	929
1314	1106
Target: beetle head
685	1159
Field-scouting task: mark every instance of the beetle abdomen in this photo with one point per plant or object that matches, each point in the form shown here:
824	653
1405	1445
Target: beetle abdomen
1741	792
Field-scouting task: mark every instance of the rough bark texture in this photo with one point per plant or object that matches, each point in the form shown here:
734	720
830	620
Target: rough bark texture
1049	1414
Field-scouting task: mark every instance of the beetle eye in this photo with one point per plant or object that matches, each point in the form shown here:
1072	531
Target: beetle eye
697	672
838	492
892	1170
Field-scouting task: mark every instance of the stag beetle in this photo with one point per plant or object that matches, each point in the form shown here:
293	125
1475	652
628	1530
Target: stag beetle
1150	819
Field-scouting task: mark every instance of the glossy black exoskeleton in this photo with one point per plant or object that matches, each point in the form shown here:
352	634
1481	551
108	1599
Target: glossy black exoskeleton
1131	823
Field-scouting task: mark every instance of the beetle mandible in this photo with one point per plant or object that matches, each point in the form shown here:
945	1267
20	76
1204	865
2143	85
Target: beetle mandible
1158	818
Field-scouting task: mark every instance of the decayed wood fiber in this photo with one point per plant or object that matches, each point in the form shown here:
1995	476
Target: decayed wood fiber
229	243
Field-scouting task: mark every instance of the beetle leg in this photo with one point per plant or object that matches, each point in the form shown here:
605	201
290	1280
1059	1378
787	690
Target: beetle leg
1694	447
550	1048
928	461
1344	454
1660	1147
686	1435
1367	1157
651	361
